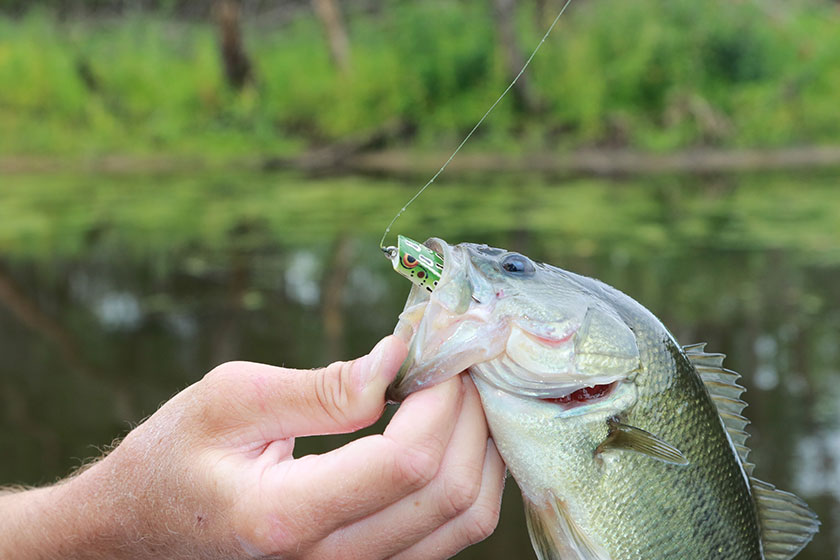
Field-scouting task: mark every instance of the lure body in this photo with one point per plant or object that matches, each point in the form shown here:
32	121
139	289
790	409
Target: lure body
416	262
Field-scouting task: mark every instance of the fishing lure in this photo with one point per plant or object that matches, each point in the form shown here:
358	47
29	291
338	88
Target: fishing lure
416	262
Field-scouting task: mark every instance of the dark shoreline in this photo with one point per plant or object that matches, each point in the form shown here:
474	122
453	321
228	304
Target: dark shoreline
398	162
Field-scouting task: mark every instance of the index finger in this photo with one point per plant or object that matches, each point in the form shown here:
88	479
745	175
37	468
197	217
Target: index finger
313	496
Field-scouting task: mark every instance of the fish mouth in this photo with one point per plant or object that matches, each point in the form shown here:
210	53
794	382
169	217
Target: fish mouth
447	330
462	325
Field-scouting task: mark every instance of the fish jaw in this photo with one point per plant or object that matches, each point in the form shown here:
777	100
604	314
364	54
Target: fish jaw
450	329
476	315
553	360
548	448
446	345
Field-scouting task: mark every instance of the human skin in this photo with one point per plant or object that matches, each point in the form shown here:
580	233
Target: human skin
211	474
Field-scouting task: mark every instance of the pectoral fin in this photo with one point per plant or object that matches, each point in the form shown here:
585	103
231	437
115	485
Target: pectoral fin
556	536
629	438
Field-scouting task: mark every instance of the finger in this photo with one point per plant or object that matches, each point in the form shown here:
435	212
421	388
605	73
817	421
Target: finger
453	491
472	526
313	496
280	403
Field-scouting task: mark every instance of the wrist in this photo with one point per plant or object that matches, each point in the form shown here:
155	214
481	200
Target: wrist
46	522
70	519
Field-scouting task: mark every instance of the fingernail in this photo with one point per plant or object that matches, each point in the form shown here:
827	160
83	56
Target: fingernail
367	367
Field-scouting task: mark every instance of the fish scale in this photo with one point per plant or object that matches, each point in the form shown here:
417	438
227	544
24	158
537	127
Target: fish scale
650	465
673	404
614	504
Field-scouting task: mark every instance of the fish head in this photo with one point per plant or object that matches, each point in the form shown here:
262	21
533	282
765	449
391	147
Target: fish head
525	327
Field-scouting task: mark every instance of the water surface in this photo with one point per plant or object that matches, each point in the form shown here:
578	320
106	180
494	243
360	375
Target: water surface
117	291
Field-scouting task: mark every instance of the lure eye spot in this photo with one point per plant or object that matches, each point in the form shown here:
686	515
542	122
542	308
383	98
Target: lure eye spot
408	261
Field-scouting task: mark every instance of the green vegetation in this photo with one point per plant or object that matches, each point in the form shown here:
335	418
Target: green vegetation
163	218
650	74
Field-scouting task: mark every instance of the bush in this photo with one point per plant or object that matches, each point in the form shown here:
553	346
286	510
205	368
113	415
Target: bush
650	74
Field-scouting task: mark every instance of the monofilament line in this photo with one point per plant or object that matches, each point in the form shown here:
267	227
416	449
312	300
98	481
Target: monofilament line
481	120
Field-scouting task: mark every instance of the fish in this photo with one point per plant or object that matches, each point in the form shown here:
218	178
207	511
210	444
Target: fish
624	444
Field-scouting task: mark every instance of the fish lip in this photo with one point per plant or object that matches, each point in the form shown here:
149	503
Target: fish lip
414	332
406	329
439	245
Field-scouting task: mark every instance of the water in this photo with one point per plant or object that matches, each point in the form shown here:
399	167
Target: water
116	292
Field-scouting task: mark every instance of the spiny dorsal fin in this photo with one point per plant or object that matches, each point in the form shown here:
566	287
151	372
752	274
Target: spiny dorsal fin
787	523
555	535
725	393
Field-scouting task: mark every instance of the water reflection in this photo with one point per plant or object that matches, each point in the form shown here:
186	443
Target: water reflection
100	327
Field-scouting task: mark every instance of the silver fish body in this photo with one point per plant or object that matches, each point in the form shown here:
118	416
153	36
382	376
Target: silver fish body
625	445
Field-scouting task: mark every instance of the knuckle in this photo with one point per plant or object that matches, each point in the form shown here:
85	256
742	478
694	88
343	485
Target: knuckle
275	539
223	374
460	490
481	523
416	467
330	389
225	380
216	393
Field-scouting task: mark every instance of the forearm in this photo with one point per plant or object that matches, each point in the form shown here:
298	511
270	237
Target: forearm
45	523
143	500
86	517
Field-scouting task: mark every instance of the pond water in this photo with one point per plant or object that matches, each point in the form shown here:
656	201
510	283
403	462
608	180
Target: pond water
117	291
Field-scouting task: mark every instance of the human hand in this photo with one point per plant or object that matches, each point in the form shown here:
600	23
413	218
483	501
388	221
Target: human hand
211	473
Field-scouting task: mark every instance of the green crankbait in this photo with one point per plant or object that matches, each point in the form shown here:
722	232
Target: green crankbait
416	262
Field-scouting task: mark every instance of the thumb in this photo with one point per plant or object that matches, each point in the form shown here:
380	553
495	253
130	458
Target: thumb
283	403
347	396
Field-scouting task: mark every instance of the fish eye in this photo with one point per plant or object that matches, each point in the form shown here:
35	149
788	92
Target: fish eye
515	263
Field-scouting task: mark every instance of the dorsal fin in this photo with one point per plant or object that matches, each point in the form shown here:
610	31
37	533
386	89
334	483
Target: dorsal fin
725	393
787	524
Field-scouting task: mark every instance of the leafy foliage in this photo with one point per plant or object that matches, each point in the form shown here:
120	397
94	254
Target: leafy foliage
651	74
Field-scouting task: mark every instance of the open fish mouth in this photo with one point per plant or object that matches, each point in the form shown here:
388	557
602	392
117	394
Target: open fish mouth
447	330
460	325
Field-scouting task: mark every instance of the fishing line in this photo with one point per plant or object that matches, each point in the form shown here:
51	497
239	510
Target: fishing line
481	120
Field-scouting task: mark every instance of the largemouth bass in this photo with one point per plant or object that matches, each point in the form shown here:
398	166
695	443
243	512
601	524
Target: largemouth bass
625	445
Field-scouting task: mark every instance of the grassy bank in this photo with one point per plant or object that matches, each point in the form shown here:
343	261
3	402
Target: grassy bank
651	74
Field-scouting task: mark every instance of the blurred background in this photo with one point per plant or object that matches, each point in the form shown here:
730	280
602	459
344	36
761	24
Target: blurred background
184	183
